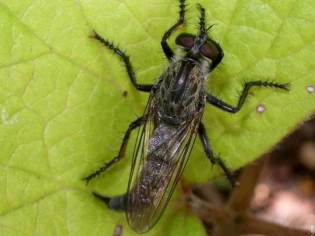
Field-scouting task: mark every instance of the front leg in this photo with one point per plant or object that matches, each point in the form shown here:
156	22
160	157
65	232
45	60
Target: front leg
166	48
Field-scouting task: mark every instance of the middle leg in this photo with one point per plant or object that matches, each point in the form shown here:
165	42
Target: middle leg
234	109
141	87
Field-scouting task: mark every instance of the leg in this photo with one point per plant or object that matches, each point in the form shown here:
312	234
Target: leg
131	74
167	50
214	160
229	108
122	150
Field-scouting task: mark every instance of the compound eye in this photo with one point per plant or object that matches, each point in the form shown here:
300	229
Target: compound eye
209	50
185	40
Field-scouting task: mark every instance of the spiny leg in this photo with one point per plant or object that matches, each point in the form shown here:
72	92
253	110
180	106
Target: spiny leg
202	35
122	150
129	68
229	108
166	48
209	153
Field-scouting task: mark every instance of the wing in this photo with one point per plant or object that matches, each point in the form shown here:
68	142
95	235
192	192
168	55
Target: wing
159	158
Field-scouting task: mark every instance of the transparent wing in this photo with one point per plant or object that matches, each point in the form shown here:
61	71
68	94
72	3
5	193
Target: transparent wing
159	158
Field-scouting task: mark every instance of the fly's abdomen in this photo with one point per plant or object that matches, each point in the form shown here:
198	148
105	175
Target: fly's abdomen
118	203
156	175
149	193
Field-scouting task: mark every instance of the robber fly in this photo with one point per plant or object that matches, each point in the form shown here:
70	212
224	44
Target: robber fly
170	123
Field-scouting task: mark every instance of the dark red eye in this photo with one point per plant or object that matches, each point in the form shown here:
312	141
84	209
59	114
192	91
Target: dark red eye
209	50
185	40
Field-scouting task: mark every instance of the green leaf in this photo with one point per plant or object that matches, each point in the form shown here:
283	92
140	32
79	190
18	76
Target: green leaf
63	113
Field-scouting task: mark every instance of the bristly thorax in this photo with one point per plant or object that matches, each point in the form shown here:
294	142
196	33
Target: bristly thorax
181	90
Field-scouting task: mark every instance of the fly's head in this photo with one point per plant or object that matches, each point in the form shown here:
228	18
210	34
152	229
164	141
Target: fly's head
200	47
181	93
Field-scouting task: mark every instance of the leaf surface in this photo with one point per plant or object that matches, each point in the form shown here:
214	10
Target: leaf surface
63	112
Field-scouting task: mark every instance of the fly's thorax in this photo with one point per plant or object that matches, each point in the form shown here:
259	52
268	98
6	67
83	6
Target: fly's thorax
182	89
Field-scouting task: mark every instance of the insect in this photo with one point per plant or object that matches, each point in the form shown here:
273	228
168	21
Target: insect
170	123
